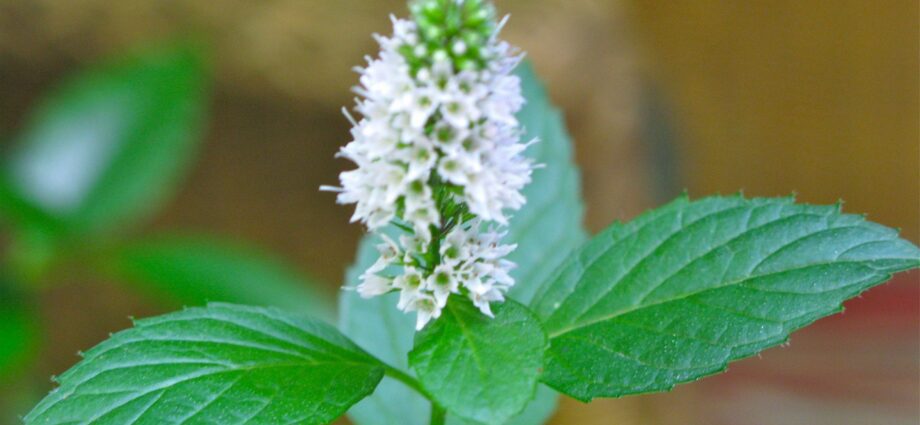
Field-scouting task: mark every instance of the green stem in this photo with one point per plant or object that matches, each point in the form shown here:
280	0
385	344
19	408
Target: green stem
406	379
438	415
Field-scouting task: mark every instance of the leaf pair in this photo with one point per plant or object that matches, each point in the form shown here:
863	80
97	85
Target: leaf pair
668	298
671	297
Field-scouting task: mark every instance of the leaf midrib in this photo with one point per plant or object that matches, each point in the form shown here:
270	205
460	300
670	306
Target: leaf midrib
180	380
663	242
631	309
319	344
469	337
679	230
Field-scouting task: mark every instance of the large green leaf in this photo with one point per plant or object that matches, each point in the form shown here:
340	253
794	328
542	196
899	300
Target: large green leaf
681	291
480	368
546	229
108	146
222	364
197	270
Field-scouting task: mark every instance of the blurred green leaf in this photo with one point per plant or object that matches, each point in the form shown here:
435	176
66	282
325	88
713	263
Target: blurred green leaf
546	230
17	330
16	335
108	146
20	212
196	270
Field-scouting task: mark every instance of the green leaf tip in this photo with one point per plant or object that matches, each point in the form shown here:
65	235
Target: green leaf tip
681	291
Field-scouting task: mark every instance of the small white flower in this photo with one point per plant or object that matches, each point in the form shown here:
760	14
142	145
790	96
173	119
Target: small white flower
423	103
449	138
373	285
421	160
458	108
454	249
442	283
410	286
453	171
426	309
483	300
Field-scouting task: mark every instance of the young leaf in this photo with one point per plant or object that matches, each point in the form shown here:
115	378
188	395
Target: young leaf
681	291
222	364
196	270
480	368
546	229
105	148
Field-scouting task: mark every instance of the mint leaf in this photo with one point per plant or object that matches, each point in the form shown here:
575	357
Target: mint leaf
222	364
197	270
546	229
107	147
480	368
682	291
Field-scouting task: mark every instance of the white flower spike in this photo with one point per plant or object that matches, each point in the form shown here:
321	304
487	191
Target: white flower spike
438	152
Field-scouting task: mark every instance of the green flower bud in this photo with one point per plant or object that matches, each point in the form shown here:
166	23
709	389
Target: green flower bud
458	28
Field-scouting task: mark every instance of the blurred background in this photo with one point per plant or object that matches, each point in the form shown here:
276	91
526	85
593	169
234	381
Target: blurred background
772	97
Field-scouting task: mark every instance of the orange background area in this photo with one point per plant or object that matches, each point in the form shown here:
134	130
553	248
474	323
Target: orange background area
817	97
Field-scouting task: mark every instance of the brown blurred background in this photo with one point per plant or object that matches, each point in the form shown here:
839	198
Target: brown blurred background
816	97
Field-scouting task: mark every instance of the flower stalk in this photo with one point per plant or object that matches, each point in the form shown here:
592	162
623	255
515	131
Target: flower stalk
439	156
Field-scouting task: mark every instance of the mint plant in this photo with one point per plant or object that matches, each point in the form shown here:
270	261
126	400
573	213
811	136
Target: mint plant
477	295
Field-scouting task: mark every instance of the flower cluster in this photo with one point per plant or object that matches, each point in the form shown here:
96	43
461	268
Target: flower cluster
467	261
438	148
